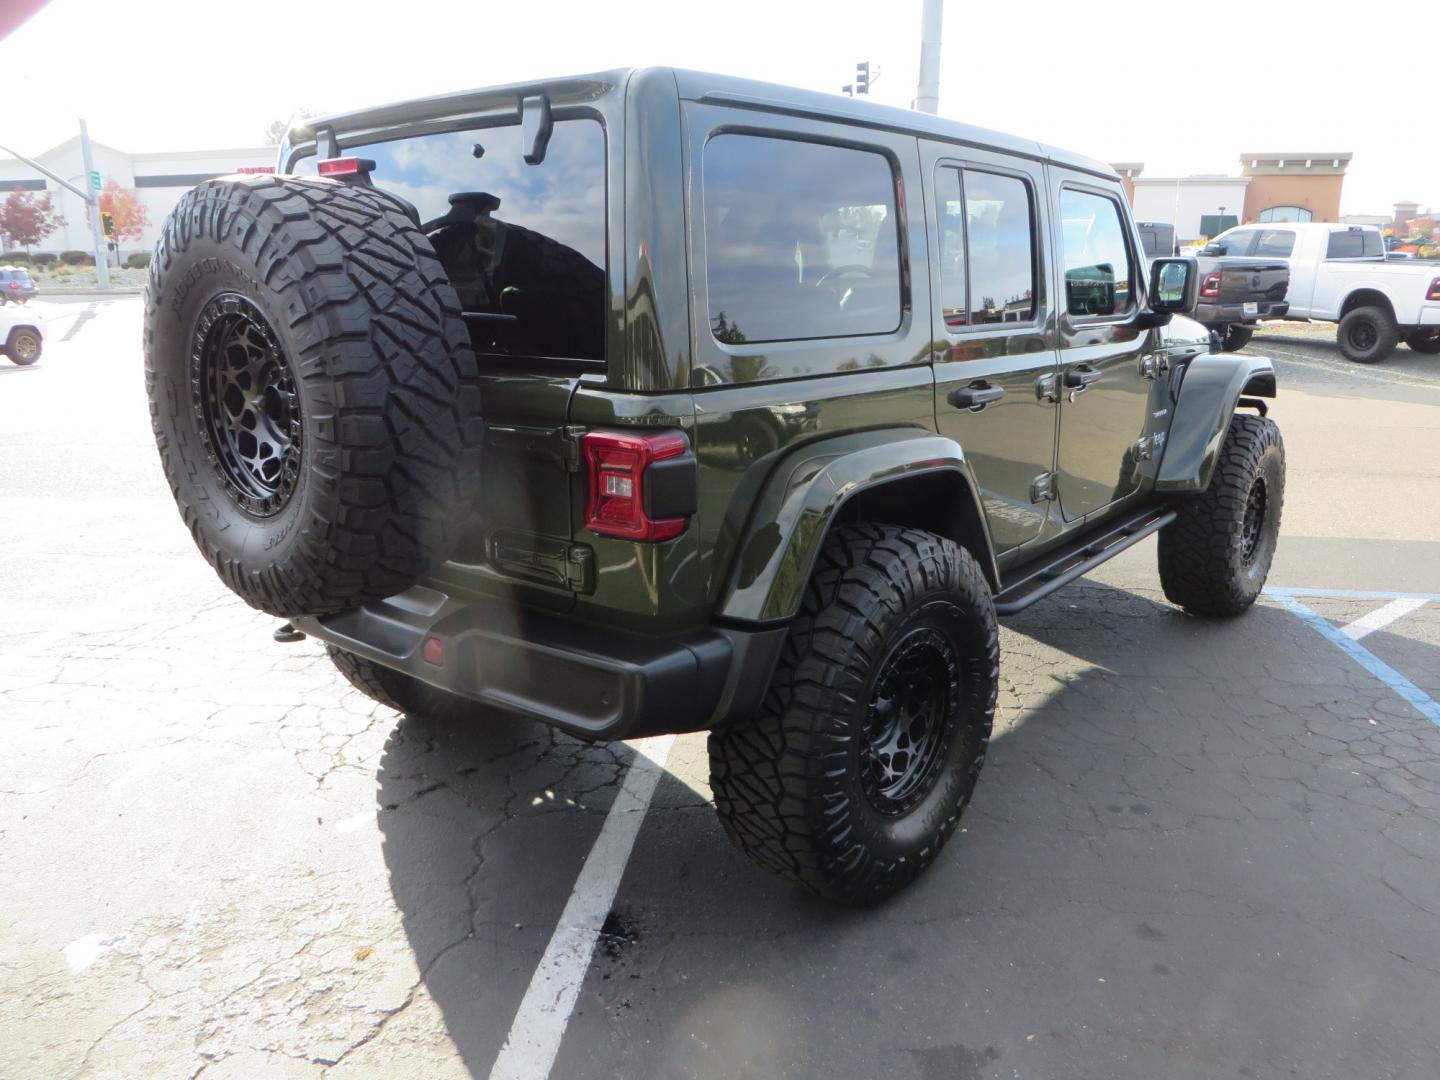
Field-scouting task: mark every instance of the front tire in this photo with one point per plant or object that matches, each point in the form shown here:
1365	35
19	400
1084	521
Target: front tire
1368	335
1424	341
1235	337
23	346
1215	557
870	740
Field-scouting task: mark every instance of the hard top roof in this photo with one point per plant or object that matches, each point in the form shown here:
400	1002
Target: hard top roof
704	86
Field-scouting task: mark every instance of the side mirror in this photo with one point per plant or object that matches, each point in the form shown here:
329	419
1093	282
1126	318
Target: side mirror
1212	249
1174	286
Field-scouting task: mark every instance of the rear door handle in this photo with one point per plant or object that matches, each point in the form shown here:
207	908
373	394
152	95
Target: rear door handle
975	398
1079	378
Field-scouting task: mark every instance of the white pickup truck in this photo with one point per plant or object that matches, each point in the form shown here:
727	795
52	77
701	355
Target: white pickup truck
1339	273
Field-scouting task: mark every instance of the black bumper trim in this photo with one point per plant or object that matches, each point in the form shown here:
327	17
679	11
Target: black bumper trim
590	681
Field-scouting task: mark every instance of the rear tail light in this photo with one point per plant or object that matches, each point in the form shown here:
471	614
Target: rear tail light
1434	293
15	284
1210	287
640	486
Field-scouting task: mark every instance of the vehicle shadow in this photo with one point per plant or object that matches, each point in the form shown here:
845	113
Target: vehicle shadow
1152	777
14	369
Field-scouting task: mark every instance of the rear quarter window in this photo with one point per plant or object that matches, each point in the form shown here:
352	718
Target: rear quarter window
1355	245
801	240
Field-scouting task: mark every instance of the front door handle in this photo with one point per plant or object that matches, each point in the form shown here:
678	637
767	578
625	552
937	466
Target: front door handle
975	398
1079	378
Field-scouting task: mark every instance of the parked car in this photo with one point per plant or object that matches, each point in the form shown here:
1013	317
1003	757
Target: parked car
1340	274
1234	292
22	334
16	285
1157	238
462	401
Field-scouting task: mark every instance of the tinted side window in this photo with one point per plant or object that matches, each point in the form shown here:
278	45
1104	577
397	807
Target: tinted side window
801	240
952	248
1277	243
1235	243
1097	262
524	245
1000	243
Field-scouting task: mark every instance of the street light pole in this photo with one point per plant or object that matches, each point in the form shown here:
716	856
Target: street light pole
927	94
102	258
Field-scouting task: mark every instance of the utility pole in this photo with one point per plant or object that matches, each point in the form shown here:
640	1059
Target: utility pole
102	255
927	94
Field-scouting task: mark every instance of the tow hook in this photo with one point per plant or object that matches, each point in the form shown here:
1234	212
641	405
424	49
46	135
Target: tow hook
286	634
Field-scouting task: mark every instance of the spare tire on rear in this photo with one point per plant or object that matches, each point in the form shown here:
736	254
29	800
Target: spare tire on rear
313	390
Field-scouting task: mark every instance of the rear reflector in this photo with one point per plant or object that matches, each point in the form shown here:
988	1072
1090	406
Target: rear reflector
433	651
640	486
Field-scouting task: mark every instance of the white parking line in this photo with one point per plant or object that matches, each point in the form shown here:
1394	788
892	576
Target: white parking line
544	1012
1380	618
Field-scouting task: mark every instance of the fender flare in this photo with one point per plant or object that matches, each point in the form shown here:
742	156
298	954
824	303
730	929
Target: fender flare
799	501
1209	392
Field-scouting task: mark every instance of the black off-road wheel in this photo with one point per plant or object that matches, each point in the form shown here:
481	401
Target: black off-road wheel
1215	557
23	346
401	692
1368	335
1235	337
867	747
1424	341
313	391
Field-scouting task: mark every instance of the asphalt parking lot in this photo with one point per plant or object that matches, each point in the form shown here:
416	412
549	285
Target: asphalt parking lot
1199	849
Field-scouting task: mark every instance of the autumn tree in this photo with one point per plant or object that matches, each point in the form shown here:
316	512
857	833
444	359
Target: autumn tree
26	220
128	211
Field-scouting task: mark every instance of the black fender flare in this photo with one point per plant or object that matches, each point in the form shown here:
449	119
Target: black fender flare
1209	393
794	510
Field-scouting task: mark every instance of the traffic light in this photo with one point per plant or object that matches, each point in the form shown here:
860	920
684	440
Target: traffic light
862	77
107	223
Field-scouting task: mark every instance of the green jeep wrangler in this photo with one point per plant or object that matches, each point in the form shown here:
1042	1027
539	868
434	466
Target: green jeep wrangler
653	401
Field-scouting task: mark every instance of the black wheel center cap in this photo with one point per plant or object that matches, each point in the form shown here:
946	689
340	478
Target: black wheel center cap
907	730
244	393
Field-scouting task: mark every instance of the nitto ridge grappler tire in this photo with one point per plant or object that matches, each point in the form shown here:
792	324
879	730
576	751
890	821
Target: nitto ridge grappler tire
312	388
867	747
1215	557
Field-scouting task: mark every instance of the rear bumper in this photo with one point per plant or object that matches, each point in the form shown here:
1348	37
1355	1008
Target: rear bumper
592	682
1228	314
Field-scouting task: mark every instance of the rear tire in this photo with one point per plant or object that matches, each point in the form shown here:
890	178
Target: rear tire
313	391
1235	337
1215	557
401	692
23	346
870	739
1368	335
1424	341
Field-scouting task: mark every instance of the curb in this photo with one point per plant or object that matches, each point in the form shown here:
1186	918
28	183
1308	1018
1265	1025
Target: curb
92	290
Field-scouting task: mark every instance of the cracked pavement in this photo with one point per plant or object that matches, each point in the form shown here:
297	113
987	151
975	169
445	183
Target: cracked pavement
1198	849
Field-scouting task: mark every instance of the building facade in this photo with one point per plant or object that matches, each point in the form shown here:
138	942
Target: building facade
1270	187
157	180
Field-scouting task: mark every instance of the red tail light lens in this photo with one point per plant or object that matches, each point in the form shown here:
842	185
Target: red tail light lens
1210	287
342	166
1434	293
640	486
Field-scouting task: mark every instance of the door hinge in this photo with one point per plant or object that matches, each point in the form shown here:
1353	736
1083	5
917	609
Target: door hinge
1149	446
1047	388
570	438
1042	488
1153	365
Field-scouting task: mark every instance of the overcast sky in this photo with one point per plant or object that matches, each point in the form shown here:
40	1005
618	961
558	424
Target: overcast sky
1183	87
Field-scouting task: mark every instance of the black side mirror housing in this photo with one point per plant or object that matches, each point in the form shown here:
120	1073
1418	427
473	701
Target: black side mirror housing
1212	249
1174	285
